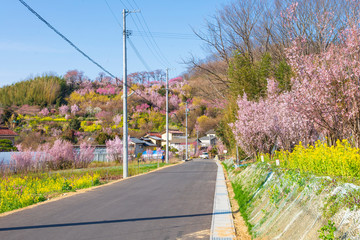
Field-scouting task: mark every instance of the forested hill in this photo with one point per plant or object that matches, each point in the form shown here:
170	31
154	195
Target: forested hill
43	91
47	104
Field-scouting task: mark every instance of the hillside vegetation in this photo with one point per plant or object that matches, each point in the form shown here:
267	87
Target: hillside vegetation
43	91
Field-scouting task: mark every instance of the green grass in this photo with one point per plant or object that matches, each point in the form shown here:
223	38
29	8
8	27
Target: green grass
243	198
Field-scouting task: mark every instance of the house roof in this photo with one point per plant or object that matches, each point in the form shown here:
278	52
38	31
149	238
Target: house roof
176	131
207	138
156	138
139	141
145	139
211	131
156	134
136	140
4	131
183	140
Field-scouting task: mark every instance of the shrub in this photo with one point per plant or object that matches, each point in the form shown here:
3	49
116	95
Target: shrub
85	156
61	155
102	137
75	124
6	145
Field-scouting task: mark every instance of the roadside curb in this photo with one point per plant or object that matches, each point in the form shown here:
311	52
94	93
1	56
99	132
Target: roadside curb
222	226
79	191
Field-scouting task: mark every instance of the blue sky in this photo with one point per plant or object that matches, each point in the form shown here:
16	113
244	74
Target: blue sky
29	48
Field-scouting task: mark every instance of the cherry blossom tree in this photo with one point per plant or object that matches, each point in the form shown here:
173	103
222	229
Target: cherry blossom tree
114	149
74	109
61	155
117	119
323	101
44	112
85	156
63	110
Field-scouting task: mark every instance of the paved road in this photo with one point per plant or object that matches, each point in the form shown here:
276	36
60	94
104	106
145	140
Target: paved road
174	203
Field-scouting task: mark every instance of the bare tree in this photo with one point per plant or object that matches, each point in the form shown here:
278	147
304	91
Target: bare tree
255	27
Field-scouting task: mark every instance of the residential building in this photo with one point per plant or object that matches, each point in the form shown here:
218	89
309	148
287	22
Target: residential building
211	132
209	139
180	144
137	146
173	133
6	133
154	139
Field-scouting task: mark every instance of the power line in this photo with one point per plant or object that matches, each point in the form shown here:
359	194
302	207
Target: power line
167	35
152	49
65	38
151	36
80	51
138	55
131	43
113	14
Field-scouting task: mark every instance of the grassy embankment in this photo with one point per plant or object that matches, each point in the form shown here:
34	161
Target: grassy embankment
312	172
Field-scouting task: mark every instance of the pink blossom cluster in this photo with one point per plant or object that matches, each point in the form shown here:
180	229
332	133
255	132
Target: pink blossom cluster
103	114
174	100
108	90
117	119
142	107
56	132
85	156
74	109
85	87
58	156
44	112
323	102
22	161
114	149
63	110
220	147
269	123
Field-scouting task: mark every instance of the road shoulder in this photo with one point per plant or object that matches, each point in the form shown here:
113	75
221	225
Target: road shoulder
222	226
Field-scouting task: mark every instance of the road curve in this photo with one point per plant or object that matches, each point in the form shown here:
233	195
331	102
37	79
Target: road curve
173	203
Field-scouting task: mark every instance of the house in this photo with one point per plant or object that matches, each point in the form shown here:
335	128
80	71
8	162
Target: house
180	144
211	132
137	146
154	139
173	133
6	133
209	139
206	141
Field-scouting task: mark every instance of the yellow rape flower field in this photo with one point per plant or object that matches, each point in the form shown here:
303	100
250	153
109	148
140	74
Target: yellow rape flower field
341	160
21	191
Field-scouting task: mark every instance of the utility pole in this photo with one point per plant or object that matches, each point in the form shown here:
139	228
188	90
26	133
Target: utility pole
186	132
197	140
167	117
126	34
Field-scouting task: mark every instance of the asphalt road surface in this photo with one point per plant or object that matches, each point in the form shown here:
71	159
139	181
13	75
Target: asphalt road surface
173	203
